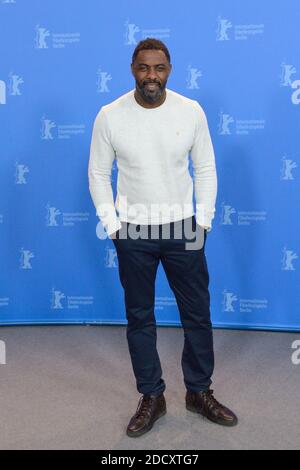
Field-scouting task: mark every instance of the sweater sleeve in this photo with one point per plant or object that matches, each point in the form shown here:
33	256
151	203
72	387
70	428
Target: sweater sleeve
204	170
101	159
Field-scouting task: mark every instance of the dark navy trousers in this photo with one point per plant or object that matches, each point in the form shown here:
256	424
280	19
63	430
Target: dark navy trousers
188	277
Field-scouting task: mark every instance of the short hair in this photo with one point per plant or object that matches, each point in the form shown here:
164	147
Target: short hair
151	43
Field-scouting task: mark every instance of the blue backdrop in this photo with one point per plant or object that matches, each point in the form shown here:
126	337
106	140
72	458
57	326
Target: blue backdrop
61	60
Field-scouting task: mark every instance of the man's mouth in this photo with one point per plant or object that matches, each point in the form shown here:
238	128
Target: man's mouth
151	86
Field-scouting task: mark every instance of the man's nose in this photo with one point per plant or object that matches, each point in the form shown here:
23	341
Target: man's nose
151	75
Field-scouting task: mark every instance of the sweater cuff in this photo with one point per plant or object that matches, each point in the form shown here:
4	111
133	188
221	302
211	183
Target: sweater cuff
204	222
112	226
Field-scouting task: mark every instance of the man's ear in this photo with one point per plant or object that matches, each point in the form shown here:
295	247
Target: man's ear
170	69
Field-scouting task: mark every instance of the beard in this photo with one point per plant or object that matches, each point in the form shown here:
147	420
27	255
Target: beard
151	96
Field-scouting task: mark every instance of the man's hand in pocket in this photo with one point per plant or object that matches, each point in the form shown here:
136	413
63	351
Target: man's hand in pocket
113	236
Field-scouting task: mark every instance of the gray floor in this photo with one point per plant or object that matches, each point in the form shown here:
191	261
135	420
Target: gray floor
72	387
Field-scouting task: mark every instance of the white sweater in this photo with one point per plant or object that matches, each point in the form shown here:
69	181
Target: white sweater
151	147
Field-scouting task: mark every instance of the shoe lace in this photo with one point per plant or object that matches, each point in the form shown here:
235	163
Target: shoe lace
143	406
210	401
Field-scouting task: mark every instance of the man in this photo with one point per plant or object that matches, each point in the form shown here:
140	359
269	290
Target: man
150	131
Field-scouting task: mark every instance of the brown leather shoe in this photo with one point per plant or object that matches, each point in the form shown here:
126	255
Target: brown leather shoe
206	404
150	408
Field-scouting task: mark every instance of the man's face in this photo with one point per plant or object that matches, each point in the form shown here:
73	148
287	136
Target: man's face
151	70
